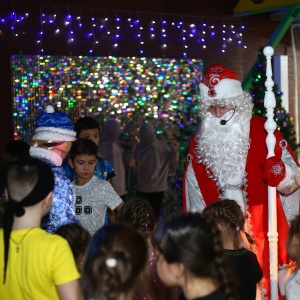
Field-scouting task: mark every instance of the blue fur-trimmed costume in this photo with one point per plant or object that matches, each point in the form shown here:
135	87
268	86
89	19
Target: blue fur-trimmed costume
62	209
53	129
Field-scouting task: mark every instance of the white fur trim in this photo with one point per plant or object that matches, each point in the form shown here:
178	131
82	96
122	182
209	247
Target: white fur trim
49	109
54	134
47	154
226	88
287	177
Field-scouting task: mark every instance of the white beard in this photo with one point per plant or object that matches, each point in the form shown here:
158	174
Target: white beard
223	149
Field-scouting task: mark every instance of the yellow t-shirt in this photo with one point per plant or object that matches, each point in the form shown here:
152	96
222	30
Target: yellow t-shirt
43	262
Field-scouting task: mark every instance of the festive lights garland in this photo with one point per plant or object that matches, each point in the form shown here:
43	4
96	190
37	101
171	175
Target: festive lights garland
133	90
100	26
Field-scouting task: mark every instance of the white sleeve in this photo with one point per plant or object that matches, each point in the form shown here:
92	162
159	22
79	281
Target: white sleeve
291	181
194	198
112	199
289	187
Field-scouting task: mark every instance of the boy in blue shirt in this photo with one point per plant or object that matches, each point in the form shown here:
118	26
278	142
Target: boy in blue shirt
88	128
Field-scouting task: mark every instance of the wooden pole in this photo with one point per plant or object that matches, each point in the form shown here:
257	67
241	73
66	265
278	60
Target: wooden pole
270	126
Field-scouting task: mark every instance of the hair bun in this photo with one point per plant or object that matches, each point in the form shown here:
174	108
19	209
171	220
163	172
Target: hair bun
16	208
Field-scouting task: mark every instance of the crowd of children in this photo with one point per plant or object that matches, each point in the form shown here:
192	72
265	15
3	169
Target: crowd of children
202	255
131	256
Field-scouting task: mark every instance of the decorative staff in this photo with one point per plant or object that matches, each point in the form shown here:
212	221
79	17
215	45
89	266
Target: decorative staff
270	126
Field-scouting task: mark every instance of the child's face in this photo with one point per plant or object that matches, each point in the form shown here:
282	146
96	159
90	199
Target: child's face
84	166
91	134
165	271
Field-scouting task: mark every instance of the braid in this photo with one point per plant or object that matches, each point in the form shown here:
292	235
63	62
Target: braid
220	269
195	241
116	256
113	281
138	213
228	213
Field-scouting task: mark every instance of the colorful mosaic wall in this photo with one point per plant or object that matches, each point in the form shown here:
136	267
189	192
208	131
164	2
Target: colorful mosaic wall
132	90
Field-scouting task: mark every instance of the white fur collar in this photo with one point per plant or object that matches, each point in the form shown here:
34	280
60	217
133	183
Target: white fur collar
44	153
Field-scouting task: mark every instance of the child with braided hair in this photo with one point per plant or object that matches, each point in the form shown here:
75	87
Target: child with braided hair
116	256
191	256
244	264
138	213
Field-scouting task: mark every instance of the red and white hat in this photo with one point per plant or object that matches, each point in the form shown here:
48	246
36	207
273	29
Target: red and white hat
221	85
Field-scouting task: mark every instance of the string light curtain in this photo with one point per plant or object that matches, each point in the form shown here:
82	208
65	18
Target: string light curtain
95	30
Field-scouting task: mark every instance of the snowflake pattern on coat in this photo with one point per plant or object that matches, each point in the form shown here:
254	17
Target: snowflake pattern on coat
63	202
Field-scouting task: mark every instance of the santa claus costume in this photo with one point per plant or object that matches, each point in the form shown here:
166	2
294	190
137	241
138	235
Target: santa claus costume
227	159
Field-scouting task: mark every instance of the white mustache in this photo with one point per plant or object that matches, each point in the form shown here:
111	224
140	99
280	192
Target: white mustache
222	149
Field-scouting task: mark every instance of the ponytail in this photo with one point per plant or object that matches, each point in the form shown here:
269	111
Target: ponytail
115	258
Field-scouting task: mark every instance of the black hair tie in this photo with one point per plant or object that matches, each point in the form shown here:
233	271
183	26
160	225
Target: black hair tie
16	207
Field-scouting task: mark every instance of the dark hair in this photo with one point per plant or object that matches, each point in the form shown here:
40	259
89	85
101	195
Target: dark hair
294	234
295	227
21	180
85	123
83	146
77	237
195	241
14	150
228	213
29	175
2	210
138	213
116	256
29	181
